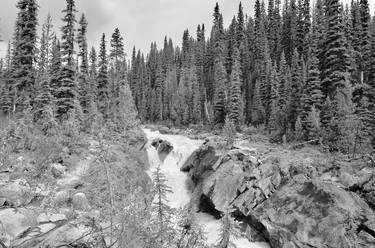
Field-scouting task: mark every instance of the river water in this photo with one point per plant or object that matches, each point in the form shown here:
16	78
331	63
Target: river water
183	147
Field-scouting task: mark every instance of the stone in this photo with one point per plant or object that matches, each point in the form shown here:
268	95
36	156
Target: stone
61	198
164	130
163	147
313	214
80	202
17	193
221	186
58	170
15	222
48	217
200	161
51	235
4	176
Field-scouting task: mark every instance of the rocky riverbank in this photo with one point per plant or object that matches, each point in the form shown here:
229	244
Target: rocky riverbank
69	205
289	198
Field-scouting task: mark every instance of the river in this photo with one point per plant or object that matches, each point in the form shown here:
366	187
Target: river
183	147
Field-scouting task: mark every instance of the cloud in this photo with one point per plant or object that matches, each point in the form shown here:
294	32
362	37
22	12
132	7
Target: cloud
140	21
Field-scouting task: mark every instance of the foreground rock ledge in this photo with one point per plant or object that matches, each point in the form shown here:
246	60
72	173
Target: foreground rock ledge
313	214
290	206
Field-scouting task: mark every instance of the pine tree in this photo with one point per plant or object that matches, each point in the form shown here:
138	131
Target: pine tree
24	54
66	93
102	79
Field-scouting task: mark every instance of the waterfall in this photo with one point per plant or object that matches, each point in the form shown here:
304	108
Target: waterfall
183	147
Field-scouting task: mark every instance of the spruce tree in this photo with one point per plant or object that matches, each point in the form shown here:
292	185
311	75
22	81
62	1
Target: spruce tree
55	69
102	79
6	88
336	57
24	54
258	113
82	45
296	88
42	99
284	94
312	95
160	205
66	93
235	99
313	124
220	98
196	96
274	115
117	58
83	86
93	63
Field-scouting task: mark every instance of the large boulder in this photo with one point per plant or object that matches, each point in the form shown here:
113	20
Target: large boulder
54	235
58	170
163	147
4	176
17	193
204	157
80	202
315	214
230	173
222	186
48	217
14	223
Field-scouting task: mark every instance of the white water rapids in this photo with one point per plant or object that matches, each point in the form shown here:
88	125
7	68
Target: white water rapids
183	147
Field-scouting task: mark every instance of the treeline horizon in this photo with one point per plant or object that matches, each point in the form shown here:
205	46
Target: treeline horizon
300	72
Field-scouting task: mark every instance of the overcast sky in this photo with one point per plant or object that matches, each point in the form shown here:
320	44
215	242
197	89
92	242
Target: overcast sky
140	21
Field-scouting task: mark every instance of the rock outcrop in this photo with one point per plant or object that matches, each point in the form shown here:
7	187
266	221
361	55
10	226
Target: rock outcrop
297	203
313	213
16	194
163	147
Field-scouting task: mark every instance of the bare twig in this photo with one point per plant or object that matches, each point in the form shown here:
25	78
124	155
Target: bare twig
304	143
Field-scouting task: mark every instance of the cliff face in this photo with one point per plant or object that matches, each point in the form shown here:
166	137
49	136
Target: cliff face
289	198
